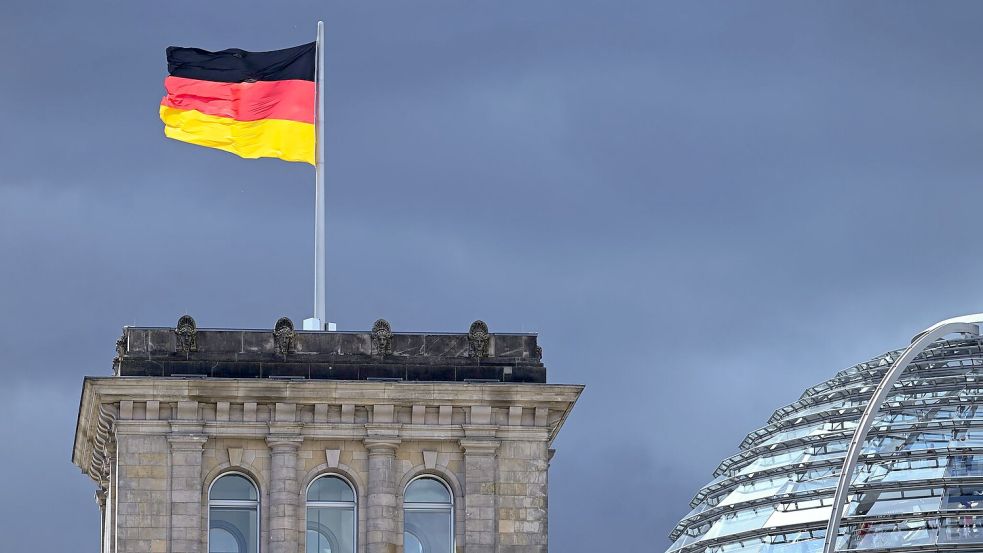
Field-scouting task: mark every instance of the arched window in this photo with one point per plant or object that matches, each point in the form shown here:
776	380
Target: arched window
330	516
233	515
428	517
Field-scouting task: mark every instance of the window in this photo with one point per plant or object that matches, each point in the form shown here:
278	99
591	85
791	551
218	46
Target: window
233	515
330	516
428	517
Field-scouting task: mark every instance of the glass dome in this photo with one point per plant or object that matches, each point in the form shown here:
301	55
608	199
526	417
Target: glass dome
918	485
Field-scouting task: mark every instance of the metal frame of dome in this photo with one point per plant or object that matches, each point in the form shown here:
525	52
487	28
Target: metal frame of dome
911	431
967	324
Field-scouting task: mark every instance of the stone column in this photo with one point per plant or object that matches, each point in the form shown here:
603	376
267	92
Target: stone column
109	517
101	501
480	516
186	492
382	511
285	516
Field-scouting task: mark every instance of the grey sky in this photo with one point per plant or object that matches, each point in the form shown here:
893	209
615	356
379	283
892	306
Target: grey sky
702	207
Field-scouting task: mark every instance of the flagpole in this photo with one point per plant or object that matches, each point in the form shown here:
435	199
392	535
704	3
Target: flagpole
320	319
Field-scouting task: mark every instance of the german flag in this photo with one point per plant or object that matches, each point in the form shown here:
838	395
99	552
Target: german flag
253	104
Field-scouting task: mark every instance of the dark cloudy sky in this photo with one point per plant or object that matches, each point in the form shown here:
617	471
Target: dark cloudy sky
703	207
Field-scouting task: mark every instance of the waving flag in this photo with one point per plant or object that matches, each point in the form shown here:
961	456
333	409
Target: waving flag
253	104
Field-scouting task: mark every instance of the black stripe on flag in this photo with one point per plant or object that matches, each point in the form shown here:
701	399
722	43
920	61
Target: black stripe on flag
236	66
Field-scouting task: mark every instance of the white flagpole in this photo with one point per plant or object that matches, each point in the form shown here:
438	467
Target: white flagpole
320	305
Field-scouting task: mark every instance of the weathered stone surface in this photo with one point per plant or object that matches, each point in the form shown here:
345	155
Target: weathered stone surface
381	510
481	524
285	511
223	353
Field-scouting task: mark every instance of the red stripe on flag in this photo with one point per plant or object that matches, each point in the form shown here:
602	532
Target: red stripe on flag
292	100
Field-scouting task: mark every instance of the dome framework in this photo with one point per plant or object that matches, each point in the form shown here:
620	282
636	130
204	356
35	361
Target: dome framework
918	484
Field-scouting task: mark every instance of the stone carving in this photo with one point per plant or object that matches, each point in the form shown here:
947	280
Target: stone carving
283	335
187	334
121	346
120	352
382	338
478	338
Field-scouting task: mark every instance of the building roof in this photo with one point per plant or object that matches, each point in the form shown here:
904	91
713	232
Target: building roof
285	353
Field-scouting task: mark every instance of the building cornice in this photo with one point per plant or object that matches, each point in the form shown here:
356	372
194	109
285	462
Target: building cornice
534	412
113	389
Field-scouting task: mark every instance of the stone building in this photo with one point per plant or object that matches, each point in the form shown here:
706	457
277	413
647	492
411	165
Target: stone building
284	441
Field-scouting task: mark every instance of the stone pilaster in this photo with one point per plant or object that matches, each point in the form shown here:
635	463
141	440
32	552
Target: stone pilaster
101	501
109	514
480	520
382	510
141	485
522	496
186	492
284	493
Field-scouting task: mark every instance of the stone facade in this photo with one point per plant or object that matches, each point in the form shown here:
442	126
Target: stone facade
154	446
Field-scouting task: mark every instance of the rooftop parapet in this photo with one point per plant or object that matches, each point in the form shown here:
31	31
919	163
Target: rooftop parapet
286	353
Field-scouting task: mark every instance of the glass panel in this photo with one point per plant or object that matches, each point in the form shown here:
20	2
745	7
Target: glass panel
427	531
232	530
675	545
902	506
915	441
901	470
808	546
966	465
755	490
807	430
741	521
740	547
330	488
233	486
829	406
964	497
427	490
927	440
798	516
222	541
817	484
816	479
411	543
889	418
963	529
967	438
893	534
783	458
882	444
690	535
828	450
317	543
331	530
924	470
697	510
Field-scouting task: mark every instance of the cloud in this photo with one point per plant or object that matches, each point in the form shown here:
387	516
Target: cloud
702	208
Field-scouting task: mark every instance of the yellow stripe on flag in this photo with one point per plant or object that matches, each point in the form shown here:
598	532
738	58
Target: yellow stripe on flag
288	140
